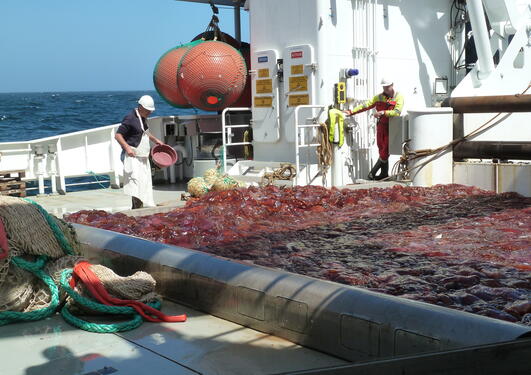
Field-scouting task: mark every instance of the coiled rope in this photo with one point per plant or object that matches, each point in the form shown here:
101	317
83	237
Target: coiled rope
69	277
286	172
36	268
135	322
324	151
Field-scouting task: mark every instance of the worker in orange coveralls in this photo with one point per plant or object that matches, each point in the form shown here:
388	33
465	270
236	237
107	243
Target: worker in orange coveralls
389	103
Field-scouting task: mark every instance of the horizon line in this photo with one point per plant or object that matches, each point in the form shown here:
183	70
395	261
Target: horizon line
72	91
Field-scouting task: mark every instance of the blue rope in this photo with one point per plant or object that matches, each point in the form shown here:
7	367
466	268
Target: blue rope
7	317
100	328
87	302
96	178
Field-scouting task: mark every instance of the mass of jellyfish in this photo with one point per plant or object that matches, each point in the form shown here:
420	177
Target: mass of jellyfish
449	245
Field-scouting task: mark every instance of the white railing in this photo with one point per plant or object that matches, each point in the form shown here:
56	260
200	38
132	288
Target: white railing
303	128
79	154
226	133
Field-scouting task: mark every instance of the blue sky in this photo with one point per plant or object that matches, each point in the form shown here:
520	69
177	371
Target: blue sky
91	45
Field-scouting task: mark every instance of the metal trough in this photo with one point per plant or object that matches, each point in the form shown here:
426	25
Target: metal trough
348	322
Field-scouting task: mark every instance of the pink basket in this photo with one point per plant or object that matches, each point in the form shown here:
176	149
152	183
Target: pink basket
163	155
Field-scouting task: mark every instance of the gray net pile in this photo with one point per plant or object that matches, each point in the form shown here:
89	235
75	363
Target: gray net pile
30	235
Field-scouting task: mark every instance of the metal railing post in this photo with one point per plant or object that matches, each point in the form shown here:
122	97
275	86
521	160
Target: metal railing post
224	136
298	128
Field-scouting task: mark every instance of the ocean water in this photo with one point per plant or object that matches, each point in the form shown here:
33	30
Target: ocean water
27	116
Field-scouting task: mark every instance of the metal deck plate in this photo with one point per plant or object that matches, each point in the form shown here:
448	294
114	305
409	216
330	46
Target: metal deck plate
202	345
111	200
53	347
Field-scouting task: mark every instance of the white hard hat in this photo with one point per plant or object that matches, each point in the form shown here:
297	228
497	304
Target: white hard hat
386	82
147	102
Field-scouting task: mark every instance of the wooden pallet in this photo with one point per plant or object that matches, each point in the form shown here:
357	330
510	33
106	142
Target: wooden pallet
15	175
11	183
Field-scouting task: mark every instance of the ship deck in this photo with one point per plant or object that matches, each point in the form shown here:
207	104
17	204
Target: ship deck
167	197
203	344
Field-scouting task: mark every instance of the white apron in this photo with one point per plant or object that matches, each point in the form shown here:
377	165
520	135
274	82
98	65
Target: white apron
137	172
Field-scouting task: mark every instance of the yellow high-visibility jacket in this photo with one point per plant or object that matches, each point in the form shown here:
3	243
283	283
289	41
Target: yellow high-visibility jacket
336	119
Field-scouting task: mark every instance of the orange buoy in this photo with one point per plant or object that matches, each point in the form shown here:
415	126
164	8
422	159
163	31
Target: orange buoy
165	76
212	75
245	98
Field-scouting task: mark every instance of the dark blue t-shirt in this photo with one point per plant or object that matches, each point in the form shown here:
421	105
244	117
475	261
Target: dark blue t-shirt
131	129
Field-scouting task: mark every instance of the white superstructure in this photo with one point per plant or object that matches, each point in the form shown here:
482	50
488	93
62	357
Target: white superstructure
316	41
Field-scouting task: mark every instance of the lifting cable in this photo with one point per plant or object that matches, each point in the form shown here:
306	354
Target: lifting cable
213	25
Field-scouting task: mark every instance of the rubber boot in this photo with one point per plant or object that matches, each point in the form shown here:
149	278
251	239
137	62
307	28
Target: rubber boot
137	203
384	171
375	169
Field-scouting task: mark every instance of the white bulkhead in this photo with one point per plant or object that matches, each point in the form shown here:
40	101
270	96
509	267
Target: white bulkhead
313	42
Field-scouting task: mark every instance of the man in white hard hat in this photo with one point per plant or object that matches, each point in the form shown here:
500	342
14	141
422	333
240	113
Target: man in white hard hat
134	136
389	103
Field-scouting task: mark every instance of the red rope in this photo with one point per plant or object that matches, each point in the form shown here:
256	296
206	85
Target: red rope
83	273
4	245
